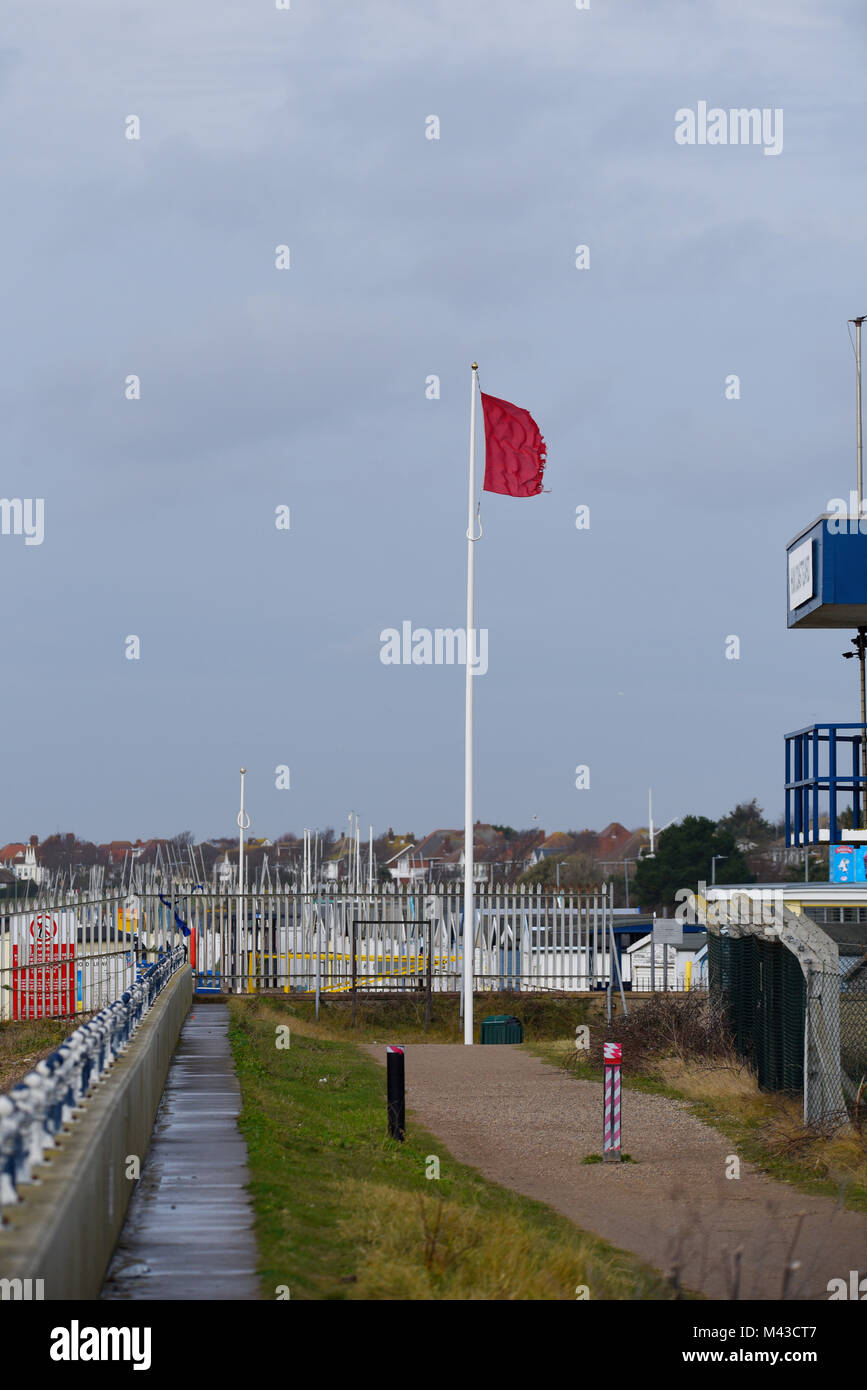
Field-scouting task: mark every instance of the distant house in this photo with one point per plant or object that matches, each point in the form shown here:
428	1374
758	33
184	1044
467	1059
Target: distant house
612	841
12	856
634	848
20	860
692	950
485	864
440	855
117	851
557	843
415	863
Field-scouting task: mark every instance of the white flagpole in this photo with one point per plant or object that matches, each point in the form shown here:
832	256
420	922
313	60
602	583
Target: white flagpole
469	904
241	932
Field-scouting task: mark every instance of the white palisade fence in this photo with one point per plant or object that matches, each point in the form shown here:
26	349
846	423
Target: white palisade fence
74	952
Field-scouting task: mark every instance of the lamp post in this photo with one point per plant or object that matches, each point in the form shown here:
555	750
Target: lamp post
714	858
607	864
243	824
860	645
860	642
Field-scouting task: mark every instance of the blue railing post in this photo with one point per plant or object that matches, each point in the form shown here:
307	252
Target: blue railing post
813	823
787	805
799	801
832	785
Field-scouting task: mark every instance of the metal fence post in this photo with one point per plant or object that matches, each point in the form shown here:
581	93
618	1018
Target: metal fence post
352	948
395	1081
429	982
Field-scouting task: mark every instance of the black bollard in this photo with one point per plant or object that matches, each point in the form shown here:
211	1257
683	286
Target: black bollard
396	1092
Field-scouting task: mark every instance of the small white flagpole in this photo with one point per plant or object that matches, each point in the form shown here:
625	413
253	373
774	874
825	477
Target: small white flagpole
469	904
241	932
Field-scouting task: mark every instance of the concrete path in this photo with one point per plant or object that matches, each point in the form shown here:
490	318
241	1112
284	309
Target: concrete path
527	1125
189	1227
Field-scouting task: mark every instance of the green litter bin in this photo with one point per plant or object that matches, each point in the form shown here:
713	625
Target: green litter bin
501	1028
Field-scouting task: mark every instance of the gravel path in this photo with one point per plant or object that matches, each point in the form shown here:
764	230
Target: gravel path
526	1124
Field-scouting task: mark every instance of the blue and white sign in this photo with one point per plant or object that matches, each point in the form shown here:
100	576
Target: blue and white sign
826	573
842	864
800	574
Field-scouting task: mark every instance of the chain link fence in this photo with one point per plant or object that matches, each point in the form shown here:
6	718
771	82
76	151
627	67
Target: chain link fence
796	1003
853	1023
764	992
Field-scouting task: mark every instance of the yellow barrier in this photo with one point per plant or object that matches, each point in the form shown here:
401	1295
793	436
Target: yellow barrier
411	965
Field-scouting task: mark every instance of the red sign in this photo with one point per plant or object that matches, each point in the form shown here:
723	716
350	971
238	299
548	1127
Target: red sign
611	1053
43	986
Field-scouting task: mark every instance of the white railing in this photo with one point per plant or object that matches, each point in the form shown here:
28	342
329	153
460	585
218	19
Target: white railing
396	938
34	1111
333	939
71	953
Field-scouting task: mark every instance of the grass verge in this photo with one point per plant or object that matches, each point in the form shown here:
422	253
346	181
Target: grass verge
765	1127
372	1019
23	1043
342	1212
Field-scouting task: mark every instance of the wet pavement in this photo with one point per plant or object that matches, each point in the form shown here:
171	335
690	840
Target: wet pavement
188	1232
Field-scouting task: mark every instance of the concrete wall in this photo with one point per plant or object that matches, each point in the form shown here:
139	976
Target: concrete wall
66	1225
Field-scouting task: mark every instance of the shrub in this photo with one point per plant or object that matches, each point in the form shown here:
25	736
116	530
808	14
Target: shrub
687	1026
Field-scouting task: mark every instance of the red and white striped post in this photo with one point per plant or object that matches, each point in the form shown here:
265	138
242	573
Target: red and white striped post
611	1055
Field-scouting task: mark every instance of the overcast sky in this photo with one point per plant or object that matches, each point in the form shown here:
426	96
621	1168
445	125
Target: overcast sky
306	388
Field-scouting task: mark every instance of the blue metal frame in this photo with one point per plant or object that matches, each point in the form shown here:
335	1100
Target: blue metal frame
807	780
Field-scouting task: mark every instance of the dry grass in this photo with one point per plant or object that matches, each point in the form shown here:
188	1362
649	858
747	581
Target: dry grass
430	1248
833	1153
731	1085
680	1045
666	1054
23	1043
839	1156
402	1018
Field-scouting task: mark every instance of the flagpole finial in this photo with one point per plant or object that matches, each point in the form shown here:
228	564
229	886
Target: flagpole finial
475	366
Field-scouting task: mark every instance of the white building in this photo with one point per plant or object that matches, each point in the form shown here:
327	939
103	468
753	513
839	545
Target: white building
685	965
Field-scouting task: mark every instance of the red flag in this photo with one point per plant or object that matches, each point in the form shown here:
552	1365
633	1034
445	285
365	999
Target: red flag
514	449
